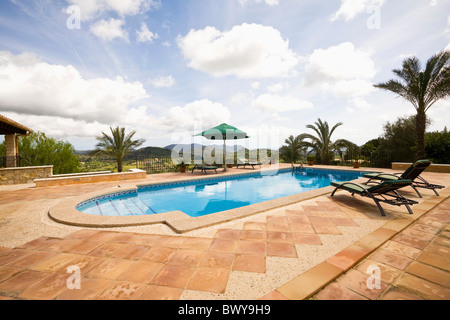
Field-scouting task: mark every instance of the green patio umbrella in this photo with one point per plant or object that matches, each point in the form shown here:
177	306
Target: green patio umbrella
224	132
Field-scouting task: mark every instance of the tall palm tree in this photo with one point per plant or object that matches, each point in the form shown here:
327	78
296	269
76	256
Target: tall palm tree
118	145
322	144
291	152
422	88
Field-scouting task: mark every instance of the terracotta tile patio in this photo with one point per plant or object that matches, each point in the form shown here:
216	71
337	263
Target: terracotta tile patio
413	265
411	252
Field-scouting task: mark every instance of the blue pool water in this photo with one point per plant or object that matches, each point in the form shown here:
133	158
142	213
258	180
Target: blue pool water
209	195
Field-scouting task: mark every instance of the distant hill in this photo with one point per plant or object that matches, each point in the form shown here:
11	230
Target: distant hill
196	146
82	152
147	152
156	152
153	152
192	146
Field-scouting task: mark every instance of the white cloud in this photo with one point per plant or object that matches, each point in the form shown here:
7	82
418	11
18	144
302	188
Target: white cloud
145	35
204	112
268	2
404	56
241	98
179	123
276	103
59	127
255	85
109	30
162	82
91	9
447	30
30	86
349	9
352	88
269	136
361	104
278	87
342	62
246	51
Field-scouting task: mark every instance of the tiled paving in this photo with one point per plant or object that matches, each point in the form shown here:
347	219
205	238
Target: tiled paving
411	253
125	265
413	265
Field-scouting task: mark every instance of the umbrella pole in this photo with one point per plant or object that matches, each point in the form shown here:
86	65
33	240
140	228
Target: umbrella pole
224	156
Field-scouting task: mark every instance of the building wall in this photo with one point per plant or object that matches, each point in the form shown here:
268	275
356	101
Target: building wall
11	150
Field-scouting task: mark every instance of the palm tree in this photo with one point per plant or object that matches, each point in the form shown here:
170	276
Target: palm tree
118	145
422	88
322	144
291	152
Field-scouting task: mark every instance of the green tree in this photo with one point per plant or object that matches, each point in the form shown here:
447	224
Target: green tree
322	144
39	150
437	146
422	88
117	145
291	152
397	143
369	147
399	138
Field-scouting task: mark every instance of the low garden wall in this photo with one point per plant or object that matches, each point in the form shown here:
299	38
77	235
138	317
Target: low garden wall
23	175
402	166
91	178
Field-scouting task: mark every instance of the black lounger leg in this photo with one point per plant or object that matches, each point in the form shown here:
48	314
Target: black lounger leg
436	192
379	207
409	209
334	191
415	189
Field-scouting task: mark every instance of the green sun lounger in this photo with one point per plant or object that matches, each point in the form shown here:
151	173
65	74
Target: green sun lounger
412	173
204	168
242	162
384	192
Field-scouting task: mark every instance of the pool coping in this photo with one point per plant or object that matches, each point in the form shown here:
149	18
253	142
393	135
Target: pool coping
65	211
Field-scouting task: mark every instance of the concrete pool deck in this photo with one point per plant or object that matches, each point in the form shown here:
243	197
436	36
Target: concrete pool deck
317	248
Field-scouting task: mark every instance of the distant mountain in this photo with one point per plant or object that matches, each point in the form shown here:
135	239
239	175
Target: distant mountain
156	152
153	152
192	146
196	146
82	152
147	152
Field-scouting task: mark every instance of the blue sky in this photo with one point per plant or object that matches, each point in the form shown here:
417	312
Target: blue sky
170	69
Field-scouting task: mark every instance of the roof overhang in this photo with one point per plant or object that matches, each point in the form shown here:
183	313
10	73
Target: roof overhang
8	126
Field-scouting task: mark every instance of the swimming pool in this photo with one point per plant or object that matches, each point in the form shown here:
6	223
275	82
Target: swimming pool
202	197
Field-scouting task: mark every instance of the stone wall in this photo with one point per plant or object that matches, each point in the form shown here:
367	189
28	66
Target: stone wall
133	174
402	166
24	175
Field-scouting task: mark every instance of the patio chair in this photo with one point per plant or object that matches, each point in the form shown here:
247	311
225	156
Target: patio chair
204	167
384	192
242	162
412	173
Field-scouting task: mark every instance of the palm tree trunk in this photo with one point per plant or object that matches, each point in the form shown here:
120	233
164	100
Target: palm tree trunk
421	119
119	165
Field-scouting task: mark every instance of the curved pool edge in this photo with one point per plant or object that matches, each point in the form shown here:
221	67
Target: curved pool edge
65	211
